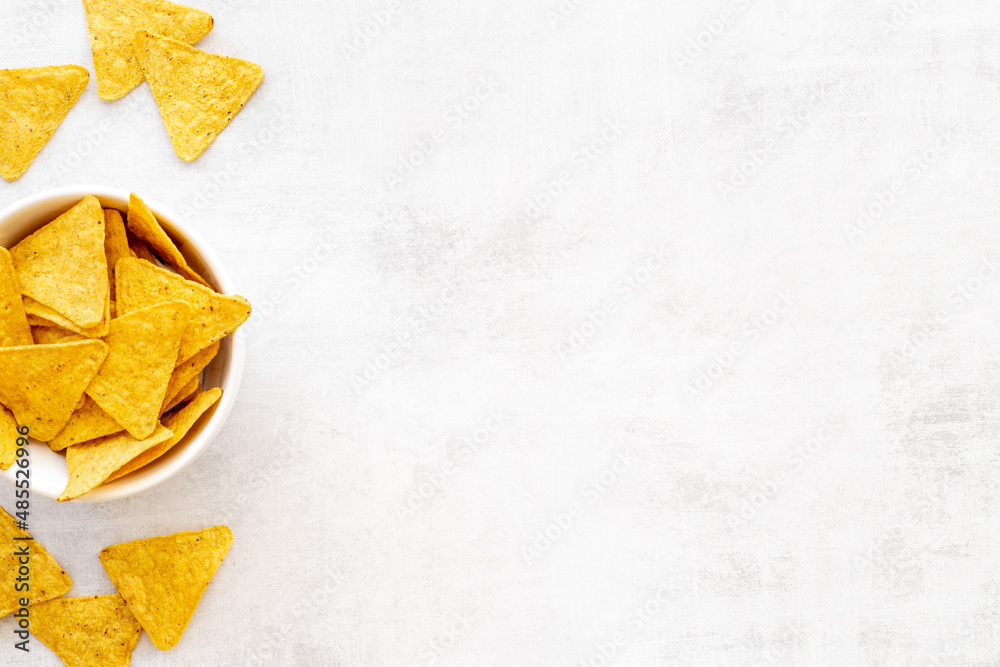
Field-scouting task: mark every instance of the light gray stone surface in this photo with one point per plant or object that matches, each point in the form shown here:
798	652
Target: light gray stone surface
579	275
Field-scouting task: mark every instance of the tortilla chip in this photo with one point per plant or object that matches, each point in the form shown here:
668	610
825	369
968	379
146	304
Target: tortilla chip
112	25
93	462
140	284
41	384
89	422
96	631
8	438
115	243
162	578
47	335
180	423
189	370
41	315
145	226
14	328
186	392
63	265
141	250
198	93
132	383
48	580
33	102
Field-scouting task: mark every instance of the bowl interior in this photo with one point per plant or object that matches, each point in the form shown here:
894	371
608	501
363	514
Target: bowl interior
48	468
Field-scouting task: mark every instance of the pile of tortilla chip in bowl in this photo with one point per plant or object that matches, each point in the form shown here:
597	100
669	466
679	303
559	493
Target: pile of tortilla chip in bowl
128	367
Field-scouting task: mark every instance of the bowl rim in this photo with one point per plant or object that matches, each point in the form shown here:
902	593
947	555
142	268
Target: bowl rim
144	480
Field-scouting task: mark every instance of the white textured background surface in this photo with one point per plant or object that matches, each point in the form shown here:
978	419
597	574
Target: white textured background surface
825	496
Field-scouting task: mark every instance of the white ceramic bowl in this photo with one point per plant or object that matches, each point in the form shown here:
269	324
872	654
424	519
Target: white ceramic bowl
48	469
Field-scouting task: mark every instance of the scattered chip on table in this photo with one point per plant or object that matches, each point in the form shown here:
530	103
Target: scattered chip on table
112	25
162	578
97	631
48	580
33	103
198	93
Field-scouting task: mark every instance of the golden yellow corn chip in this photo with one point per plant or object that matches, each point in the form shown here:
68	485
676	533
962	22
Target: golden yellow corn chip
162	578
46	334
8	438
41	384
41	315
47	579
89	422
145	226
140	284
92	462
112	25
63	265
96	631
13	320
33	102
180	423
186	392
142	351
141	250
198	93
115	243
188	371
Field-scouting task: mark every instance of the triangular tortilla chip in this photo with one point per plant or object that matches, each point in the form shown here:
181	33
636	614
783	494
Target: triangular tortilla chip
141	250
48	580
112	25
115	243
188	371
140	284
162	578
41	315
89	422
33	102
46	334
98	631
63	265
198	93
144	225
93	462
180	423
13	320
186	392
42	384
132	383
8	438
